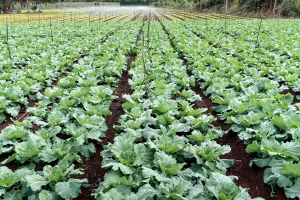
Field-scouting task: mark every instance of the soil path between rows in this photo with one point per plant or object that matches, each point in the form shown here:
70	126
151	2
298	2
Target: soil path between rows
92	166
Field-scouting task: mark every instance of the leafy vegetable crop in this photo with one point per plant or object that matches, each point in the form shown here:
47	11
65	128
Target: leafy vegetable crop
166	147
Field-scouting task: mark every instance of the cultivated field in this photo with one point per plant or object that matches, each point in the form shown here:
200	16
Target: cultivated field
140	103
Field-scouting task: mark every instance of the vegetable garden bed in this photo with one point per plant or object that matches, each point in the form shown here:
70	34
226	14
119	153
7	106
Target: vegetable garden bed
150	109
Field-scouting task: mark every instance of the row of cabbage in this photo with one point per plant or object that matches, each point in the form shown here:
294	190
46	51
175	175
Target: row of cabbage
249	98
36	61
67	122
166	148
278	53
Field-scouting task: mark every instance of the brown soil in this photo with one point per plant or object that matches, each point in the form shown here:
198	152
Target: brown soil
136	16
145	18
155	17
248	177
168	18
122	18
177	16
92	166
113	17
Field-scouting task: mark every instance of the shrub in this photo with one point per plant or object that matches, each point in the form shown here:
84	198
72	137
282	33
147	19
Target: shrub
289	8
34	8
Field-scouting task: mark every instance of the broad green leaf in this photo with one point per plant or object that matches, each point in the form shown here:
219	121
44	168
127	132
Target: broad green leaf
111	194
162	108
95	133
47	155
211	150
2	117
13	195
146	191
111	163
123	148
31	147
13	111
53	93
7	177
35	182
14	132
144	155
291	170
221	186
54	174
70	189
45	195
167	163
271	146
175	186
136	112
261	162
196	190
147	173
56	117
115	178
293	192
171	144
280	122
88	150
253	147
292	148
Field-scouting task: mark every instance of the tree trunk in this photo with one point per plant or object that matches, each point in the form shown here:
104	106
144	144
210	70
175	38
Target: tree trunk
200	5
28	6
274	8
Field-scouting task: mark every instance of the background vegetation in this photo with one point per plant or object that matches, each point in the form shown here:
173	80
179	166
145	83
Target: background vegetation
278	7
275	7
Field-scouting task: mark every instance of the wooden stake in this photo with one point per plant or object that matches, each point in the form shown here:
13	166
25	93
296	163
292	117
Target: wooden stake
51	30
143	58
258	34
225	26
149	15
7	40
90	19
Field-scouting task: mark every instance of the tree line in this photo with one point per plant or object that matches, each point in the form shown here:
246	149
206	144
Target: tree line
277	7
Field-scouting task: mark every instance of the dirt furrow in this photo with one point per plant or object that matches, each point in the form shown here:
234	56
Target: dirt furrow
136	16
92	166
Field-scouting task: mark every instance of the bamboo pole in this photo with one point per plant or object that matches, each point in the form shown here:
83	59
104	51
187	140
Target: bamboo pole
144	64
90	20
9	53
51	30
225	25
258	33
